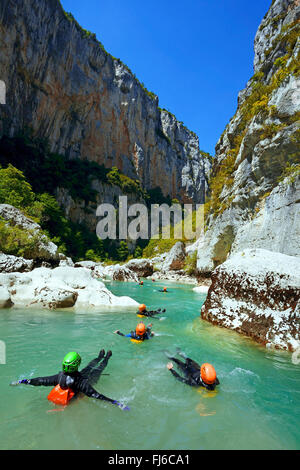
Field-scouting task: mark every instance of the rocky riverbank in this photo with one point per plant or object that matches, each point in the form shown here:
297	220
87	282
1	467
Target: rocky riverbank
257	293
58	288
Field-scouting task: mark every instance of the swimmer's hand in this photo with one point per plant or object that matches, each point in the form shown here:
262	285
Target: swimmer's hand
117	331
170	365
123	407
24	381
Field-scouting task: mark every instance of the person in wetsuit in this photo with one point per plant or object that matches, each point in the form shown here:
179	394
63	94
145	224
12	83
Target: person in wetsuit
152	313
77	381
141	332
163	290
194	374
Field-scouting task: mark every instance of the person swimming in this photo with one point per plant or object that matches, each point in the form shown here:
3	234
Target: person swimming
141	332
152	313
74	380
163	290
194	374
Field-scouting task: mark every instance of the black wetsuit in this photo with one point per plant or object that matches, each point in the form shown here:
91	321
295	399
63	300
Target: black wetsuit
191	371
133	335
151	313
78	381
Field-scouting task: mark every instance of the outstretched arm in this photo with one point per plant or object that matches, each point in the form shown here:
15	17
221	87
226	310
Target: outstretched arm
176	375
119	333
92	393
38	381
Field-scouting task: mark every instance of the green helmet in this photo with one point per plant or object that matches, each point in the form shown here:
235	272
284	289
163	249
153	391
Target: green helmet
71	362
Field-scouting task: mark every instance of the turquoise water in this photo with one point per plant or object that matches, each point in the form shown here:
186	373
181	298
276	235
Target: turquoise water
257	405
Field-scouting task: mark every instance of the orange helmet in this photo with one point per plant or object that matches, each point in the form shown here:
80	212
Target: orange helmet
208	374
140	329
141	283
142	307
165	289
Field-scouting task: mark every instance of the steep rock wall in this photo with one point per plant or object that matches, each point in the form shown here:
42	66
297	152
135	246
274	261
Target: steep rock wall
259	147
63	84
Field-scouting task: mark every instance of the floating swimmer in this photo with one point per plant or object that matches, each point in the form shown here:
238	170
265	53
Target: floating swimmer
141	332
195	375
143	312
70	382
141	283
163	290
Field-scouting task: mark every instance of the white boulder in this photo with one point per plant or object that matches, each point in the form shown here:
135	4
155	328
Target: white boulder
10	264
62	287
257	293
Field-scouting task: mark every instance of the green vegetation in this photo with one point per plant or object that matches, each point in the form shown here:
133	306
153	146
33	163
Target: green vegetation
123	251
72	239
190	264
15	241
29	179
127	185
291	172
46	170
157	247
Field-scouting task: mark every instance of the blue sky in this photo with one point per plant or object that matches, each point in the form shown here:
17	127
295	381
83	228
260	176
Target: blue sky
195	55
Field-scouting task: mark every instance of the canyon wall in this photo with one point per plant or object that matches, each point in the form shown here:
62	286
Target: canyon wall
255	183
64	86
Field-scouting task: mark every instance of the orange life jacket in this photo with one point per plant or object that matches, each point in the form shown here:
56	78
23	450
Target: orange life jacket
60	396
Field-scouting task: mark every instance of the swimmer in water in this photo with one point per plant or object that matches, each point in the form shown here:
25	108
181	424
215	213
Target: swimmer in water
194	374
141	332
163	290
75	380
152	313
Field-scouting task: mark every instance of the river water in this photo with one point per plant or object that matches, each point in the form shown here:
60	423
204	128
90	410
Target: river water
256	406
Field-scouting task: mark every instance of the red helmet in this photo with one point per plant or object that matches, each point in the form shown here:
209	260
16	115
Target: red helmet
140	329
208	374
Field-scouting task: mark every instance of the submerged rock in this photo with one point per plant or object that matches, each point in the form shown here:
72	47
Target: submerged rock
62	287
257	293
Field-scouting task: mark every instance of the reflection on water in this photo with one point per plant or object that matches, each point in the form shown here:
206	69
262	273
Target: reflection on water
255	406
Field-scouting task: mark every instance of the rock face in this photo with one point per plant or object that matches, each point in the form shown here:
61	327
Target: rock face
43	249
142	267
5	299
63	84
10	264
121	273
257	293
276	224
175	258
260	145
62	287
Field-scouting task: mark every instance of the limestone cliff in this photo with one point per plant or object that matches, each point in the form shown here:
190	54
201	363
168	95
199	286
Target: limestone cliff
257	293
255	200
61	83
